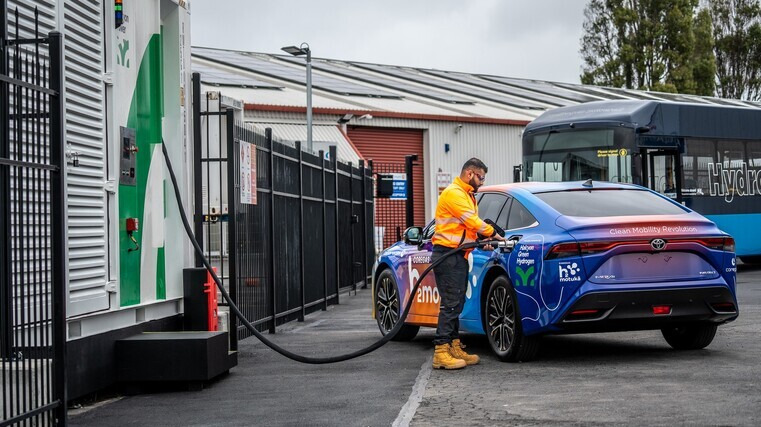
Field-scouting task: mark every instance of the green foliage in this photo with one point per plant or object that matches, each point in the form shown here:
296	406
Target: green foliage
737	31
658	45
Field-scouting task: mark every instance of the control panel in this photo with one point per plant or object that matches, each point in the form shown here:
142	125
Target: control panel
128	156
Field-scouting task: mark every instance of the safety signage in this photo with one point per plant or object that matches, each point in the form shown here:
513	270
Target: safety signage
247	173
399	189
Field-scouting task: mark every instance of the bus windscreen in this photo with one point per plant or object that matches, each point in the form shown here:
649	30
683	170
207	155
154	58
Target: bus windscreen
577	155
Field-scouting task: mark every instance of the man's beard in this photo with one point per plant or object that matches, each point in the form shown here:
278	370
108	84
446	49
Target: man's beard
473	184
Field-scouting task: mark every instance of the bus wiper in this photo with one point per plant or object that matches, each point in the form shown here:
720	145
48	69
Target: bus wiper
544	144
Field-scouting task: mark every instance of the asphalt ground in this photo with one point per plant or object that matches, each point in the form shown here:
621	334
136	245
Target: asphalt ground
629	378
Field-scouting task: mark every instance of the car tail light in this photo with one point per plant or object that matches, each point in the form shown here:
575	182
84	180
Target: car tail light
716	243
563	250
660	310
584	314
588	248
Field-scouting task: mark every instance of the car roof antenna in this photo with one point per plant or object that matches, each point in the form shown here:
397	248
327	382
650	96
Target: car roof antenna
587	183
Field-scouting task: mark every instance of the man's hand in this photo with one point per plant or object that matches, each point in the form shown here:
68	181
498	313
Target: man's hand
494	237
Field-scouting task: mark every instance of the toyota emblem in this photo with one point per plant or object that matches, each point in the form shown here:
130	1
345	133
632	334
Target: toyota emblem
658	244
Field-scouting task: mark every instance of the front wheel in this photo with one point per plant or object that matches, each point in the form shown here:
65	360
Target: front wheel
503	325
690	337
388	308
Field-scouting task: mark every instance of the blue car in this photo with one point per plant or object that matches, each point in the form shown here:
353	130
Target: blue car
588	257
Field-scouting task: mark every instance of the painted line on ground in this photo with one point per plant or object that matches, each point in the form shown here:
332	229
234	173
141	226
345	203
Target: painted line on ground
418	390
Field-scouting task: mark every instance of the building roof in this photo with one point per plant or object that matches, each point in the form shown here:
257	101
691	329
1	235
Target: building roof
262	80
323	136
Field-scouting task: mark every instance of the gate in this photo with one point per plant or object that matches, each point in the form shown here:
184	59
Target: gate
287	229
32	226
392	216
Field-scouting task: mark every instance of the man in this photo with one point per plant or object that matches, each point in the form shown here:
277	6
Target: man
457	222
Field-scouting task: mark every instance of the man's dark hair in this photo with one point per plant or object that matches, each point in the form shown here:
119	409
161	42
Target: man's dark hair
474	163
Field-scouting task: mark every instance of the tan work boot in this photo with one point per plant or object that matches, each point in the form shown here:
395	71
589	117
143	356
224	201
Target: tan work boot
456	350
442	358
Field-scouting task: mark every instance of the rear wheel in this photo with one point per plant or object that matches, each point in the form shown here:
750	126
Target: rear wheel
503	324
690	337
388	308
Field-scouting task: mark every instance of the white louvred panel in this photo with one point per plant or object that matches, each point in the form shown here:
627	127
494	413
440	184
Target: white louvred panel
85	135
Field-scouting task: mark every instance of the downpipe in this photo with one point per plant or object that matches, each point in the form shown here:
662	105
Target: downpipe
297	357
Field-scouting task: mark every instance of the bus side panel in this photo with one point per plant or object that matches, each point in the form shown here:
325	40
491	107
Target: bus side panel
740	225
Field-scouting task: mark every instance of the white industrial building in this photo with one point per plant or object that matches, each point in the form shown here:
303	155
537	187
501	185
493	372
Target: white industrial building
384	112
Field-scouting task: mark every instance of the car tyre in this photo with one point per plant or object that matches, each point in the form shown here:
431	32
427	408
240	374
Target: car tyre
689	337
503	325
388	308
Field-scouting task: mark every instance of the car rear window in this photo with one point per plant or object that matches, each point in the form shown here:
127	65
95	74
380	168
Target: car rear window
596	203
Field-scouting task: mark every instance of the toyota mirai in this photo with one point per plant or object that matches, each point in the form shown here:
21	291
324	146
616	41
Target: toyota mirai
588	257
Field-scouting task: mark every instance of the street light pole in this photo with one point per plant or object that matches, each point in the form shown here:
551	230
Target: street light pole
303	49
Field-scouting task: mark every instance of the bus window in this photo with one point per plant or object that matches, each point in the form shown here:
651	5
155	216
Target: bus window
597	154
731	154
754	155
697	157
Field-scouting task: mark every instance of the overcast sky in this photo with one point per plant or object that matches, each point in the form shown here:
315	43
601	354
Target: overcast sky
536	39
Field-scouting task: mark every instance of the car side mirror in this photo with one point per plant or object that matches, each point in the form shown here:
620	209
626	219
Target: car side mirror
413	235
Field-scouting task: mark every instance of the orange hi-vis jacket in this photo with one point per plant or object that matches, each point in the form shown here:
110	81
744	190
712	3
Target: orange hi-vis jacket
456	212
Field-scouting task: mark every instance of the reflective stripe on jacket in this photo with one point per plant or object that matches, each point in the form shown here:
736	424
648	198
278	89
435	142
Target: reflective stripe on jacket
456	212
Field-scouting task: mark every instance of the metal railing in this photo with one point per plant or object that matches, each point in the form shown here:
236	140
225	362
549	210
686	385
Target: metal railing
32	226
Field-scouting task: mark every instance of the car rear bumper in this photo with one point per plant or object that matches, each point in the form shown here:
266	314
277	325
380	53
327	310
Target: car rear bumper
638	310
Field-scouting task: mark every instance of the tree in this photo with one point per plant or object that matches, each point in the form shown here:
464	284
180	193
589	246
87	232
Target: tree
737	31
648	45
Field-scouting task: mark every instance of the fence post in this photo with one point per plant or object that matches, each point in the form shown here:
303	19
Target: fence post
351	228
324	235
197	168
268	136
302	312
363	228
334	160
58	272
232	211
409	203
6	298
364	224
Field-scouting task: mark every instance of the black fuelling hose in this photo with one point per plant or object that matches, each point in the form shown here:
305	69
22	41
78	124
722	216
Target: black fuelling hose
293	356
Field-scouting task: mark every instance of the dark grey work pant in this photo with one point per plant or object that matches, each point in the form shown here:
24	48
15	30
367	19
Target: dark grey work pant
452	282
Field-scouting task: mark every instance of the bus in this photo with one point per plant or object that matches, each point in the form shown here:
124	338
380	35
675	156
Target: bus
706	157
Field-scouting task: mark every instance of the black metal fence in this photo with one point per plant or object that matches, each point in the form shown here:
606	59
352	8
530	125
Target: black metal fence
32	251
287	229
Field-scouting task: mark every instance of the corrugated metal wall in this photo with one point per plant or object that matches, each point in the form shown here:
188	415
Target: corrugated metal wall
498	145
85	124
391	145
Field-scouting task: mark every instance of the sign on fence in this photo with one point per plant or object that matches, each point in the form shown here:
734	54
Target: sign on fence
247	173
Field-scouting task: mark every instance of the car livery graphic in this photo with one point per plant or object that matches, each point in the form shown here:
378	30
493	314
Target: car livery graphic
589	257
